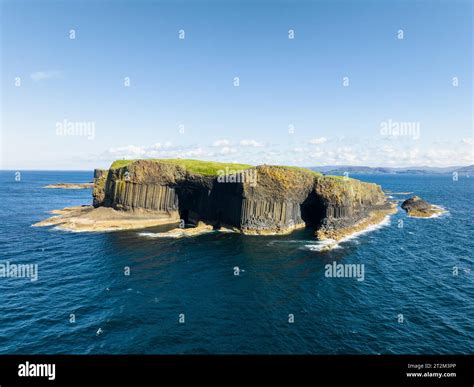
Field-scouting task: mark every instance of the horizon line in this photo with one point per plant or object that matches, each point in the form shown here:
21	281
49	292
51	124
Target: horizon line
309	167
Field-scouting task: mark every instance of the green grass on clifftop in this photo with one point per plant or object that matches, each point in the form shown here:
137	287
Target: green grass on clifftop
209	168
303	169
206	168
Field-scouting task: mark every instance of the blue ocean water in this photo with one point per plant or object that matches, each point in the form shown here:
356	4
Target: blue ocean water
408	271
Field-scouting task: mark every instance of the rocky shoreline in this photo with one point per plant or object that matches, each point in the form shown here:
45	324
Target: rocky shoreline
90	219
373	218
275	200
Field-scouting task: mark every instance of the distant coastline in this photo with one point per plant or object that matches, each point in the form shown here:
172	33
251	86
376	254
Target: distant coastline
349	169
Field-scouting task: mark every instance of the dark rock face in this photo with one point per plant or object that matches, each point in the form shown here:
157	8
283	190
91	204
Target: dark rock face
415	202
274	203
417	207
143	185
260	200
98	193
346	203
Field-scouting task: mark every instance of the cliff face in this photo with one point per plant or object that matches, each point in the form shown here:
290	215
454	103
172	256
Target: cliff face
143	186
275	202
259	200
347	203
98	192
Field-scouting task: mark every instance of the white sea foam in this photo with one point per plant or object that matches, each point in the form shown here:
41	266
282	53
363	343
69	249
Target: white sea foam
444	212
298	241
373	227
74	231
401	193
226	230
325	245
58	228
162	234
175	234
331	244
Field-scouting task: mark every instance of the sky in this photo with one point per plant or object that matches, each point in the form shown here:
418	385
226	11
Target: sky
307	83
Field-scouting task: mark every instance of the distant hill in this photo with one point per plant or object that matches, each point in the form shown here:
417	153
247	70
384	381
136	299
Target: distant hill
341	169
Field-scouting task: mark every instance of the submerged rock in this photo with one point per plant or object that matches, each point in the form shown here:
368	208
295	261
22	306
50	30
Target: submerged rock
418	208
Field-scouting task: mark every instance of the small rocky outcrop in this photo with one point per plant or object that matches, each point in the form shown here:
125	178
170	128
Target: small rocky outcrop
418	208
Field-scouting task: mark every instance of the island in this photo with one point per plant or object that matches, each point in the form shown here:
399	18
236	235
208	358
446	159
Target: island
70	185
255	200
418	208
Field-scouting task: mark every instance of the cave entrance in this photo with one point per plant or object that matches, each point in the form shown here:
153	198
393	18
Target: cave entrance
184	215
218	219
313	210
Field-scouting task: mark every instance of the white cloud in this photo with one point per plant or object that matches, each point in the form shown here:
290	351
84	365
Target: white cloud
317	141
127	151
158	150
251	143
43	75
227	150
346	154
193	153
222	142
368	152
468	141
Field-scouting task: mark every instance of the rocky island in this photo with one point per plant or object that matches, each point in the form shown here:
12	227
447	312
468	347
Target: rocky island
262	200
418	208
70	185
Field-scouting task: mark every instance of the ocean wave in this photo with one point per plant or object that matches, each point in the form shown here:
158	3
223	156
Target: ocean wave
161	235
331	244
226	230
400	193
68	230
325	245
373	227
298	241
444	212
175	234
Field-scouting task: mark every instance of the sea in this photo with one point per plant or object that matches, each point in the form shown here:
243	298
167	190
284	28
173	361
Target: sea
134	292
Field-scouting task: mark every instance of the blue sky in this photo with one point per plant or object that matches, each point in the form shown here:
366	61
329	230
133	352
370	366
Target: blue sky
421	84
